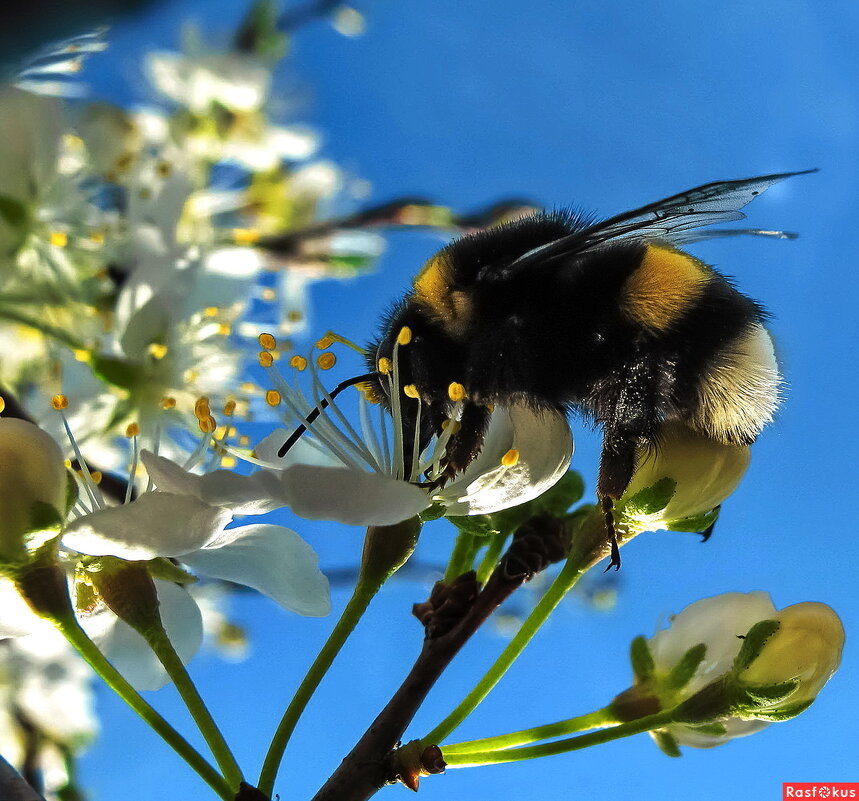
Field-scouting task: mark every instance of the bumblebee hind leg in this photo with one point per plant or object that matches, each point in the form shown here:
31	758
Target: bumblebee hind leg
617	464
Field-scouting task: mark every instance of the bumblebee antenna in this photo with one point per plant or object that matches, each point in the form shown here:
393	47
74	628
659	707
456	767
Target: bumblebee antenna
317	410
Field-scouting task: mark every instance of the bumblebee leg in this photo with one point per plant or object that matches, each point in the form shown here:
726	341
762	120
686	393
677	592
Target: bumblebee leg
617	464
465	444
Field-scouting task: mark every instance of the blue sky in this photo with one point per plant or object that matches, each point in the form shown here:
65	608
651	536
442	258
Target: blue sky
605	106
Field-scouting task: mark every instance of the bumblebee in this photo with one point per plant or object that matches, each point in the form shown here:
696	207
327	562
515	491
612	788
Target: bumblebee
608	318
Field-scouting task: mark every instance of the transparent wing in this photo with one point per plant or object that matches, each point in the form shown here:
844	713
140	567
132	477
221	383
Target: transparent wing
673	219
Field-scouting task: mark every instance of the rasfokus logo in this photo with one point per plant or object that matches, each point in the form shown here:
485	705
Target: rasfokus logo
824	790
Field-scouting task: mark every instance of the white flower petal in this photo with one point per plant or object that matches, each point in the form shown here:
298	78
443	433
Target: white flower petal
129	652
304	451
545	446
273	560
242	495
718	622
156	524
350	496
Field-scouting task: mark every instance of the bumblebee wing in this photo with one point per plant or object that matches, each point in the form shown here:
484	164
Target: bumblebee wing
673	219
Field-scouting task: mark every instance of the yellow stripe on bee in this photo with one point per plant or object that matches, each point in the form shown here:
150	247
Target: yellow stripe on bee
433	289
664	286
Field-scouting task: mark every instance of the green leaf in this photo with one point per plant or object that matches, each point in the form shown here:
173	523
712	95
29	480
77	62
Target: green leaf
754	642
666	742
434	512
71	493
162	568
753	696
118	372
652	499
641	659
695	524
476	525
785	712
715	728
14	212
681	674
561	496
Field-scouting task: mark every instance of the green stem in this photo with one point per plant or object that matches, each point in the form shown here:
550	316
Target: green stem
355	608
588	546
564	581
50	331
593	720
166	653
76	636
462	556
474	758
490	558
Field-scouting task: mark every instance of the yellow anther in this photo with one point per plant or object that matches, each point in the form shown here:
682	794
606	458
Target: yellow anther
267	341
265	358
163	169
157	351
405	335
231	431
326	342
456	392
244	439
2	404
67	463
207	424
96	476
96	237
294	316
298	362
228	461
272	397
229	408
201	408
220	432
385	366
490	407
245	236
59	402
168	402
59	239
248	388
325	361
190	376
211	311
81	355
224	329
411	391
132	430
268	294
511	458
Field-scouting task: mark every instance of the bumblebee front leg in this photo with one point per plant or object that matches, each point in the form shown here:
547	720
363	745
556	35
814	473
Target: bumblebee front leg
465	444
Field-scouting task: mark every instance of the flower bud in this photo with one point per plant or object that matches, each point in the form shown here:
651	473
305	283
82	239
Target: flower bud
806	648
680	480
32	473
730	665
